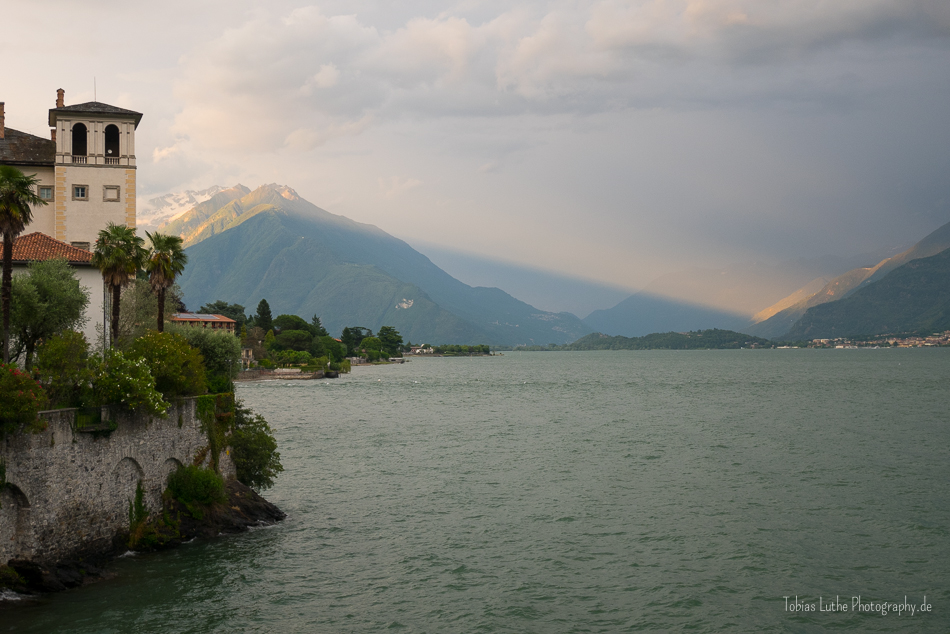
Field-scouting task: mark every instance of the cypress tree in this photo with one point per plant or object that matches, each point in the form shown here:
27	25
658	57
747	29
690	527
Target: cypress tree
264	320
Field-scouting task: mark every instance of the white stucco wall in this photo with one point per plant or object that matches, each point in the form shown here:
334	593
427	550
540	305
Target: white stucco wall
43	215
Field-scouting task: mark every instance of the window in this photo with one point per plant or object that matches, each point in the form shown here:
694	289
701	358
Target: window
110	193
79	140
80	245
112	141
46	193
80	192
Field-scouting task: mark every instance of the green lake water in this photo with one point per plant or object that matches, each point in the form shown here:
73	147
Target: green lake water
574	492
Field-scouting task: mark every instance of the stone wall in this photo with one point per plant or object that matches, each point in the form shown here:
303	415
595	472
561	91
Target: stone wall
68	492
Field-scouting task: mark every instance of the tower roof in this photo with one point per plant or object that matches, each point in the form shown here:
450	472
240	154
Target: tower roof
93	107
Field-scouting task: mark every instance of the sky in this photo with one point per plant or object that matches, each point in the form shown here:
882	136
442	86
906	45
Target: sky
607	141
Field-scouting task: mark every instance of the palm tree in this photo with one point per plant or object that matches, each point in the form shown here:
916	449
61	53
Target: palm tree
119	254
16	195
166	261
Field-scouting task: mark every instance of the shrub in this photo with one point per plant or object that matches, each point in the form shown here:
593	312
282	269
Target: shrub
254	449
292	357
63	369
177	367
220	350
191	485
129	382
21	398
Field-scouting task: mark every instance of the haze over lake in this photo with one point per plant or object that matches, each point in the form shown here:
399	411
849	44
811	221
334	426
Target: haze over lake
574	492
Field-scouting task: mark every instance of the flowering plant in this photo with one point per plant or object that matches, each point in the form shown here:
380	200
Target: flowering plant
20	398
120	379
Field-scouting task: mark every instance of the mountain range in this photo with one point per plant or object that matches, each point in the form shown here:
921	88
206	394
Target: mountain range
780	320
162	209
269	243
914	297
244	246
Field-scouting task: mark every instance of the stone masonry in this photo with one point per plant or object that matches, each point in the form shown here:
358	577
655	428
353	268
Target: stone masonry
68	492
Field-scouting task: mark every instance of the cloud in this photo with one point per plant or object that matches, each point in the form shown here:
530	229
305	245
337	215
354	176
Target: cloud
160	154
395	186
326	77
298	80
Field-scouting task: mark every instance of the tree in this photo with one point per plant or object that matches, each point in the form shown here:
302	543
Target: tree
352	336
63	368
221	352
16	195
254	449
231	311
391	339
166	261
293	340
263	319
255	341
118	254
291	322
317	328
46	302
177	367
333	348
140	308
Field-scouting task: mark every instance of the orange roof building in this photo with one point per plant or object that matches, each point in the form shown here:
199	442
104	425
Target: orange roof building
215	322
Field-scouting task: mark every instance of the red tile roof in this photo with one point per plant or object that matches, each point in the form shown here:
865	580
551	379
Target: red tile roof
39	246
201	317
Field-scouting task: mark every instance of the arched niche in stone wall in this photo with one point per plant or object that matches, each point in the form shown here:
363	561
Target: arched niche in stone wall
170	465
126	475
15	529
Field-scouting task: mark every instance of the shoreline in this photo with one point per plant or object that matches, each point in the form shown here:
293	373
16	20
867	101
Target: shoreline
243	510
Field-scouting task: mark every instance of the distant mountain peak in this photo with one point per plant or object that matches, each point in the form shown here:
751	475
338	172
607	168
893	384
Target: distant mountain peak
273	244
284	191
163	209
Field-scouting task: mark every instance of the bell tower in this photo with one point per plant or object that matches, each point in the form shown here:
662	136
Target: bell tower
94	168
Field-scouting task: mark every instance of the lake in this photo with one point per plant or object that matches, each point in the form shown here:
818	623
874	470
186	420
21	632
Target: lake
575	492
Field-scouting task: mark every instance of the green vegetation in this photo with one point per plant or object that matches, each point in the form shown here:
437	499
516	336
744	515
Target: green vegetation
263	319
221	352
390	341
177	368
17	197
457	351
63	367
164	262
119	254
20	399
352	336
47	301
713	339
253	449
143	369
9	578
140	309
196	488
231	311
120	379
291	341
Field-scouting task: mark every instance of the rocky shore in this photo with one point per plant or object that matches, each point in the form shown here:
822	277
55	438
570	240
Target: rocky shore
243	509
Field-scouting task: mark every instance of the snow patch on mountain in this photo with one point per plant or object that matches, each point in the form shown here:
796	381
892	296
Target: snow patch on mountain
157	211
